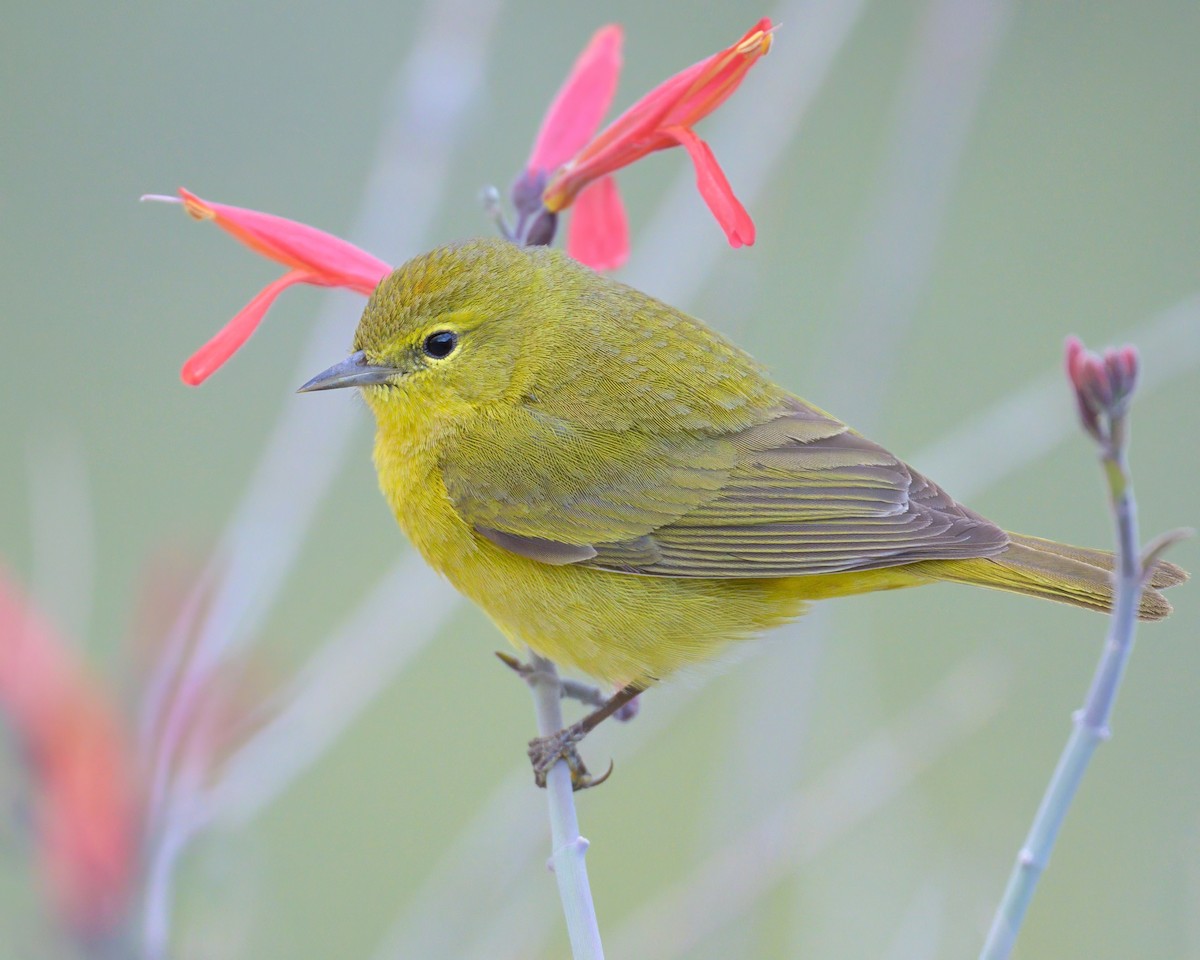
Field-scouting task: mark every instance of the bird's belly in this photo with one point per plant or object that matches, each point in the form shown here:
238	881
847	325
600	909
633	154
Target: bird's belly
616	627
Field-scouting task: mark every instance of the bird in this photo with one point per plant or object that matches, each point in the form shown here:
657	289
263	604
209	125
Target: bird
626	493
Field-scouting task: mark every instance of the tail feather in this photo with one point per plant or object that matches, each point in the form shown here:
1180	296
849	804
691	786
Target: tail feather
1056	571
1165	574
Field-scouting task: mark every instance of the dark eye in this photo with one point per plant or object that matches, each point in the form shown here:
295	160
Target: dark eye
440	344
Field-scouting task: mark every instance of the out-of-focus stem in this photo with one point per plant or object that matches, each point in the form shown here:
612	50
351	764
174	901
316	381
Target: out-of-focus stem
1091	722
806	823
567	846
433	93
338	682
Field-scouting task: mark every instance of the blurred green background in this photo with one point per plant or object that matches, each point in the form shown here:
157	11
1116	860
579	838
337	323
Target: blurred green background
1068	202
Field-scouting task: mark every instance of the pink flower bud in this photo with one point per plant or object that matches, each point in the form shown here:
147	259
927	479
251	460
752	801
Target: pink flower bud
1103	385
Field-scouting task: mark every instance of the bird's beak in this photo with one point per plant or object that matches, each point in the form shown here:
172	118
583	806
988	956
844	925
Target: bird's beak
354	371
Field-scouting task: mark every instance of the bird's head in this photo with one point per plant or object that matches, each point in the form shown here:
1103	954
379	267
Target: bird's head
446	333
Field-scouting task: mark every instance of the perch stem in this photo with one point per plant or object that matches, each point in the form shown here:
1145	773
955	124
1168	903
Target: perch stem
567	846
1091	721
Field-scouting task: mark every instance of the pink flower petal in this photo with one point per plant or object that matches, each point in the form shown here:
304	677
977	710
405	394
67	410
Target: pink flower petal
715	189
581	102
598	234
295	245
33	665
210	357
679	101
1076	358
711	82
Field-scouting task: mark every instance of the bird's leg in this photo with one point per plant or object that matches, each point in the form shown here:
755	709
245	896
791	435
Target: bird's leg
587	694
545	752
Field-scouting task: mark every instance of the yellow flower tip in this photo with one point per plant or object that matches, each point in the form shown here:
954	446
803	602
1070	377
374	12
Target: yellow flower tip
555	198
757	44
195	207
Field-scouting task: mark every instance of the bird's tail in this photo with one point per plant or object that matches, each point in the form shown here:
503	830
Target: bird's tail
1056	571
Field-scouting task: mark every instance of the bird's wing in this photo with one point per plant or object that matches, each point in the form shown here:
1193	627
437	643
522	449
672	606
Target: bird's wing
530	475
796	494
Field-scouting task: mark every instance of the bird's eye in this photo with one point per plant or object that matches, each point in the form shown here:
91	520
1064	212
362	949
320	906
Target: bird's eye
440	345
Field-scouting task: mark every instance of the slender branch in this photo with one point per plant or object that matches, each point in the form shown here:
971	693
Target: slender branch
483	859
1106	419
586	693
186	821
568	847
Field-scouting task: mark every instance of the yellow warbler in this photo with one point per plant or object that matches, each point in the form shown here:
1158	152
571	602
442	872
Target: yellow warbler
624	491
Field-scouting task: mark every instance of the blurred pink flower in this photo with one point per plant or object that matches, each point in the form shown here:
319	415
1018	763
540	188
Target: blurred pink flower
80	757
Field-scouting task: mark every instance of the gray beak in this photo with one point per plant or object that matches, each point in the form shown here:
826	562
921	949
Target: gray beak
354	371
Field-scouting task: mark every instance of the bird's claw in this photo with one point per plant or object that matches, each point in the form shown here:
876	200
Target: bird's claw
545	752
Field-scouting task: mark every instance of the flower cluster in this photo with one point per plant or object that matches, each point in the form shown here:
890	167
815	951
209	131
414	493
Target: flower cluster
81	764
570	166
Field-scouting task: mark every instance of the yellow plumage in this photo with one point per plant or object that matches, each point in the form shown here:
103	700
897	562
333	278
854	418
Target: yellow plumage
624	491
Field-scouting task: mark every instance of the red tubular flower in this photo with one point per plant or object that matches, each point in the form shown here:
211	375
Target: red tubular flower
81	758
312	256
598	236
664	118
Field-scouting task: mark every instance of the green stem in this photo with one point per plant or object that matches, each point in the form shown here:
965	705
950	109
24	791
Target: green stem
567	846
1091	722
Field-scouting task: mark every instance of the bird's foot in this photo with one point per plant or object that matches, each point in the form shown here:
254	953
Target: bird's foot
545	752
